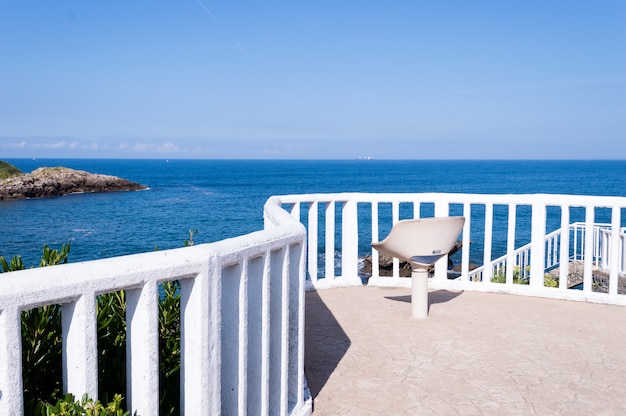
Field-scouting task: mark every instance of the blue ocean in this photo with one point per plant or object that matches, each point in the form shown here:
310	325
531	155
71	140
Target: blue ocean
224	198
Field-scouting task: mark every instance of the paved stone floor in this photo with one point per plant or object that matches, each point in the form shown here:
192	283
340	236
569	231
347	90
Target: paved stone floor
476	354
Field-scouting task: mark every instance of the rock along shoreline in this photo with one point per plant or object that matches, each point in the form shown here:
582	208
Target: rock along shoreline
49	182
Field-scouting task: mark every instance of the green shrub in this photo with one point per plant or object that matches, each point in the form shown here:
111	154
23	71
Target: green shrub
169	348
15	264
42	343
42	346
550	281
66	406
111	310
500	277
7	170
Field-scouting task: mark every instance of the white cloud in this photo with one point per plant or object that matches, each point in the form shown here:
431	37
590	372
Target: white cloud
151	147
168	147
57	145
19	145
143	147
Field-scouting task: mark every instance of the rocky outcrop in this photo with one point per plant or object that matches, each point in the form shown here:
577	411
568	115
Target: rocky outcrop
57	181
385	266
599	278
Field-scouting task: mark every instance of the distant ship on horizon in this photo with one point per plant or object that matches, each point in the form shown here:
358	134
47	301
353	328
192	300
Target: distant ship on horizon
365	158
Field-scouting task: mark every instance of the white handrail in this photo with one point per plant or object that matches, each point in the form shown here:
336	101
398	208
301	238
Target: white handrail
359	209
242	322
601	251
249	291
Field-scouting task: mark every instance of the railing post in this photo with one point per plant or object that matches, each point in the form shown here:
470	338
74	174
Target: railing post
395	217
614	259
276	335
265	335
375	238
80	346
11	390
295	333
488	267
510	244
350	243
284	330
312	236
465	253
603	253
330	240
537	248
142	349
574	229
442	209
200	334
416	210
622	239
301	325
243	335
588	249
564	253
232	290
597	245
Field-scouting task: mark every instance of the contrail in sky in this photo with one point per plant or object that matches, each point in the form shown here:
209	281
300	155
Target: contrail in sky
241	48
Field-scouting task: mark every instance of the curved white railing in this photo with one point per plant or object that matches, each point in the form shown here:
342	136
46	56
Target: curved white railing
242	322
242	299
350	222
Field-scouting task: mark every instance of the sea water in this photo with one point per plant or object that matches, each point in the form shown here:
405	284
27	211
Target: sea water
224	198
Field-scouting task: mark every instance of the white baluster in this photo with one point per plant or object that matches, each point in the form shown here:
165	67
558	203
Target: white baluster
312	241
537	249
80	346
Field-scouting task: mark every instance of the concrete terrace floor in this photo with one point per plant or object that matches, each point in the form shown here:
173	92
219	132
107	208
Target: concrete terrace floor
476	354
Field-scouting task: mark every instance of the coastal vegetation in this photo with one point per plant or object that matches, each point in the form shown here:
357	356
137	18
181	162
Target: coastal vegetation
42	348
7	170
521	279
67	406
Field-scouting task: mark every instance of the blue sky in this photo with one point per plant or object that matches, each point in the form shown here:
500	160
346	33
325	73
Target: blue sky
313	80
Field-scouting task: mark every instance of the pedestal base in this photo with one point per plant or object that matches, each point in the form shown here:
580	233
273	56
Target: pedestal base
419	293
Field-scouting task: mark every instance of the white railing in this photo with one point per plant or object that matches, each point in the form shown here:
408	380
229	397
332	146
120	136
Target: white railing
242	322
604	250
576	232
242	299
351	221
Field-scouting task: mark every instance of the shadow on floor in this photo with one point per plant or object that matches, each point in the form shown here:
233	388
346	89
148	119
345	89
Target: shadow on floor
435	297
325	343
